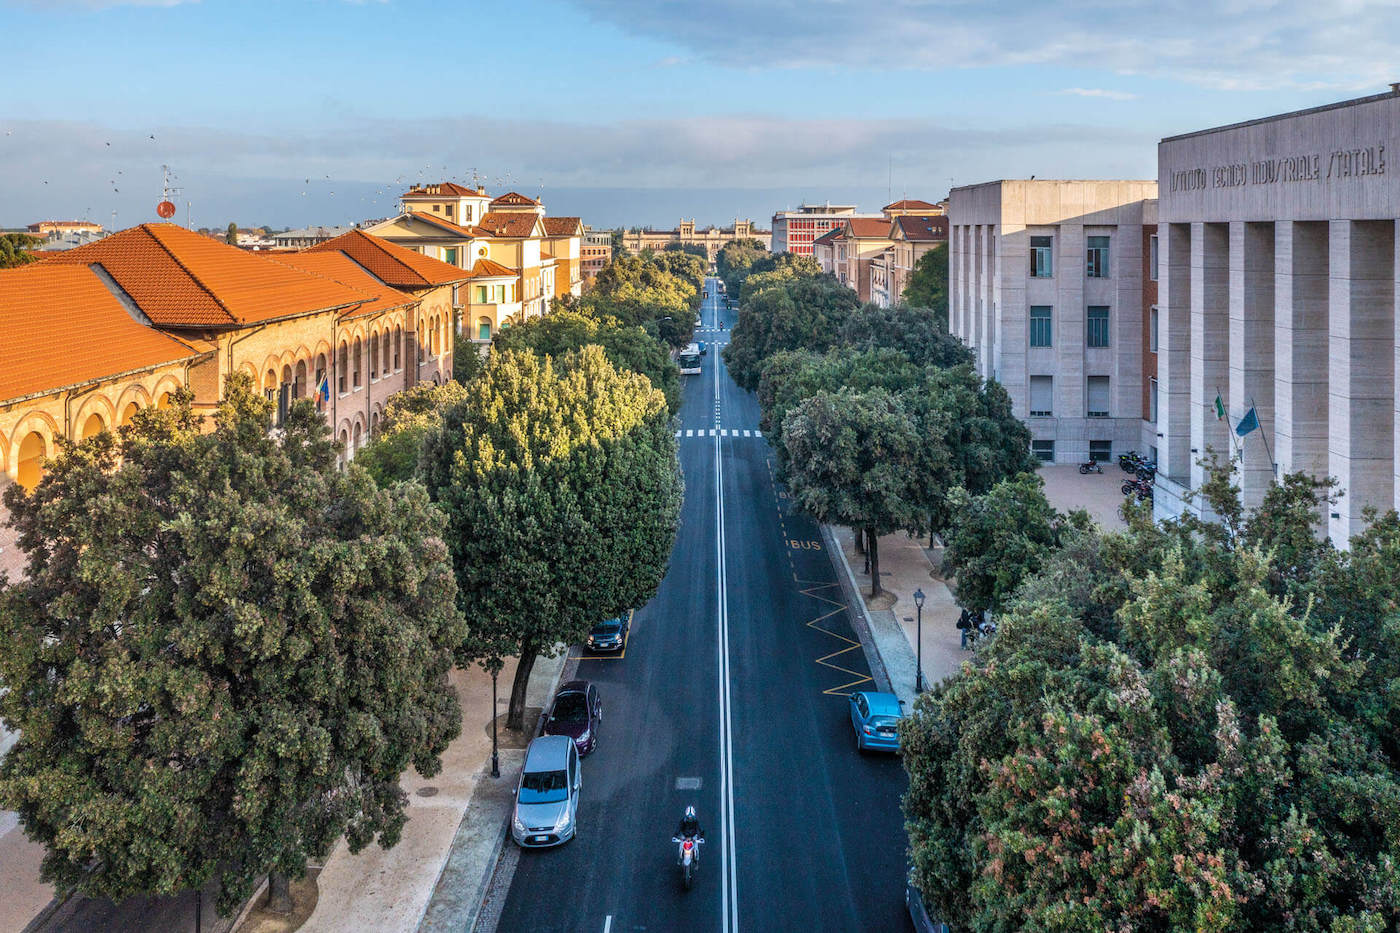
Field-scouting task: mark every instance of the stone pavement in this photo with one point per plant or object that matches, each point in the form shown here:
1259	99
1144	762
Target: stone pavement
461	813
907	564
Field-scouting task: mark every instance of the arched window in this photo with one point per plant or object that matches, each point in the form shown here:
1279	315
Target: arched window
374	355
483	328
374	425
270	385
319	381
32	451
163	400
355	438
422	339
358	362
398	348
93	425
129	412
299	387
342	364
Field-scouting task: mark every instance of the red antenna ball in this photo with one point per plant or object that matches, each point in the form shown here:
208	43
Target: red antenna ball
165	209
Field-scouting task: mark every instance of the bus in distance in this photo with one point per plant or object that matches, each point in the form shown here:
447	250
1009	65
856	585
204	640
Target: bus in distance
689	360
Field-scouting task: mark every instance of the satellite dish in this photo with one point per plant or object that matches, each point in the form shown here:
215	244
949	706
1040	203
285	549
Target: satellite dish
165	209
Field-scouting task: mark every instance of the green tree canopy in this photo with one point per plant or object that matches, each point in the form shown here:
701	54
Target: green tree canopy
852	458
562	490
627	348
659	292
223	653
410	417
231	234
918	333
16	249
928	283
1215	757
733	261
775	269
800	314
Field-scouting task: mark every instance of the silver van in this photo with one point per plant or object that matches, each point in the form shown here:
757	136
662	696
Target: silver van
546	800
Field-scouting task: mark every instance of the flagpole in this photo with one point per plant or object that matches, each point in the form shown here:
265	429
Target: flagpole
1229	431
1263	436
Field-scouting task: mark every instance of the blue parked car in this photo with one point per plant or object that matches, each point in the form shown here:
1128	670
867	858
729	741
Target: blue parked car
875	717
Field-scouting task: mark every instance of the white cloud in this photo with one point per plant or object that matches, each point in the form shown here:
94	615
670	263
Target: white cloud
100	4
1097	92
1223	44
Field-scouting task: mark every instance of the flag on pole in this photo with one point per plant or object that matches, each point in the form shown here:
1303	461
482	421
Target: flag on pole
1248	423
1219	409
323	388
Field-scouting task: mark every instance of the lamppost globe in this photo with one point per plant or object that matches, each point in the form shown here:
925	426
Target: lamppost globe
919	639
919	598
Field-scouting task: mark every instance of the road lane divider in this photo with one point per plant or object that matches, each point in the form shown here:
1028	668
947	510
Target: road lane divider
729	899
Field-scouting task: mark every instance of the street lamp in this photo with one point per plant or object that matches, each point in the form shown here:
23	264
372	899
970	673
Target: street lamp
919	669
494	666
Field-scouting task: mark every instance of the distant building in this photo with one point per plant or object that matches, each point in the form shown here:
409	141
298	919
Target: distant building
875	256
597	252
911	236
796	231
1046	287
686	234
60	227
308	236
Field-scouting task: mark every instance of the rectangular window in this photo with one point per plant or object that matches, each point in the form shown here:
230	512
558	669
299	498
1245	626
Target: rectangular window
1152	329
1042	395
1152	403
1042	263
1097	258
449	210
1098	397
481	294
1096	322
1152	257
1101	451
449	255
1042	327
1044	451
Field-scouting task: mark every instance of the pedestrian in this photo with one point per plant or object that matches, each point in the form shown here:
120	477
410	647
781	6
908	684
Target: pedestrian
964	623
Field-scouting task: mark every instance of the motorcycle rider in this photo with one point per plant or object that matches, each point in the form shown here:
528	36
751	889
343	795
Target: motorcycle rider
690	826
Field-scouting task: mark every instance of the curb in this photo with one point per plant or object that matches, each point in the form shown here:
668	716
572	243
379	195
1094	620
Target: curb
860	616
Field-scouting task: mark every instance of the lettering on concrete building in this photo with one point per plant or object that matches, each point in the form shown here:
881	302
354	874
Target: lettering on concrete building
1360	162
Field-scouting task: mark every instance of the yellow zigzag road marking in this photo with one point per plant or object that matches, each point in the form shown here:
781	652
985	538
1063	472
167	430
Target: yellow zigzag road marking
851	645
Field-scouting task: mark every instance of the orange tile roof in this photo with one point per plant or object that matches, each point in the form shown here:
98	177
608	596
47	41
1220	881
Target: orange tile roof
445	224
514	198
509	224
340	267
61	326
445	189
868	227
486	268
830	236
397	265
909	204
181	279
563	226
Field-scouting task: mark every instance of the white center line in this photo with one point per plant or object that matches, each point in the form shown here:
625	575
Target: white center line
607	924
729	876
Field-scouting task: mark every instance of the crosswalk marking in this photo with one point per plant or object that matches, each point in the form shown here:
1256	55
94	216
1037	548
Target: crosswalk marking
719	432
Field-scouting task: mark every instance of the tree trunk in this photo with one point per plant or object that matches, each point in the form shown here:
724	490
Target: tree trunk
874	546
860	539
279	893
515	717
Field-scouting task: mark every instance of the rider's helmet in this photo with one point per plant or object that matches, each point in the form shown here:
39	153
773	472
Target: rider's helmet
690	813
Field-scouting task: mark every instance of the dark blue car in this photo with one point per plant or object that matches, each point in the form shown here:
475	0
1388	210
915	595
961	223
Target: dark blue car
875	717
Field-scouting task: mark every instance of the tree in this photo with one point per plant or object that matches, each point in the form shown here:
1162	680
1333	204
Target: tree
800	314
619	251
775	270
697	250
996	540
627	348
223	654
410	417
734	259
562	490
1219	757
231	234
928	283
467	360
916	332
16	249
851	459
657	291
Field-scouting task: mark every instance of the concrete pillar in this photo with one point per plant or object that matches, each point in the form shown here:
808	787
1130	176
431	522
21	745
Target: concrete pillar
1174	351
1210	343
1252	353
960	292
1361	344
990	293
1300	348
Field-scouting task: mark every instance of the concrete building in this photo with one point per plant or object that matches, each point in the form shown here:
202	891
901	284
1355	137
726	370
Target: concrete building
686	234
307	236
796	231
1046	287
58	227
1277	271
596	252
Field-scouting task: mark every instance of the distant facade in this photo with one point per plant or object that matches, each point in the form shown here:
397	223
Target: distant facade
1046	285
307	236
46	228
1277	271
795	231
686	234
597	253
875	256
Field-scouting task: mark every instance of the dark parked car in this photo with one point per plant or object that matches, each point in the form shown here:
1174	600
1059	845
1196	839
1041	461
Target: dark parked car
918	912
577	712
610	635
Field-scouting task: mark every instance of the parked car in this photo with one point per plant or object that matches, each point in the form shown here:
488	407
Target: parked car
918	913
875	718
546	799
576	713
610	635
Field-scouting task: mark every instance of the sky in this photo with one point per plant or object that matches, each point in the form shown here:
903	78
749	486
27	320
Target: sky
632	112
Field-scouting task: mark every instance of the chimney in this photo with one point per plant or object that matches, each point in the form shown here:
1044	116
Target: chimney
1395	87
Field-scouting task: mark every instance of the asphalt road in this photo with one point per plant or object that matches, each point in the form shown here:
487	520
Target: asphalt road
735	678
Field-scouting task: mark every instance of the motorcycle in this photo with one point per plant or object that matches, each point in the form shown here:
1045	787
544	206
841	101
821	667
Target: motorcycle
688	857
1129	461
1137	487
1091	467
